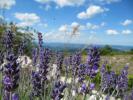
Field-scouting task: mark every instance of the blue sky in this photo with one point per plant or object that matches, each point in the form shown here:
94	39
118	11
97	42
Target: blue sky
74	21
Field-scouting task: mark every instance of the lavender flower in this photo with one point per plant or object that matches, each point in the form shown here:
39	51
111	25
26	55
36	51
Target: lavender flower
40	40
11	68
58	90
22	47
126	97
92	86
131	95
45	57
107	97
92	62
39	77
59	59
76	60
108	78
8	41
11	74
1	57
83	88
34	56
15	96
122	80
59	62
81	72
36	84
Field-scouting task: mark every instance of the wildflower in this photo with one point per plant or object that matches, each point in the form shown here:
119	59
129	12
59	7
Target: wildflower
92	86
59	62
11	70
76	60
108	78
36	84
122	80
40	40
58	90
83	88
39	76
11	74
22	47
81	72
107	97
92	62
1	57
34	56
131	95
15	96
8	41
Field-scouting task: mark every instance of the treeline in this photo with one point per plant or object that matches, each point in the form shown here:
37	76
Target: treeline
108	50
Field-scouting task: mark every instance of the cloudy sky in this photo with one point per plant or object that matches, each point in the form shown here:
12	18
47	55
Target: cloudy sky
75	21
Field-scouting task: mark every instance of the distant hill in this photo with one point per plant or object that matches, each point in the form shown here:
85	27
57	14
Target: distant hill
73	47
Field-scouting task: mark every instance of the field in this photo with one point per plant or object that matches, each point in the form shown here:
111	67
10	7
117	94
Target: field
118	61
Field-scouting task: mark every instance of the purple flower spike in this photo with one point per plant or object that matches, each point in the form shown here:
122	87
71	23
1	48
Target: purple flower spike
76	60
92	86
7	81
8	41
83	88
131	95
15	96
11	74
107	97
81	72
34	56
1	57
122	80
11	70
93	62
39	77
57	90
36	84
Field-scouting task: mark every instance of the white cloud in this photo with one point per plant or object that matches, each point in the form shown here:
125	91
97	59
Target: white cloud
71	30
62	3
91	26
63	28
127	22
112	32
108	1
74	24
91	12
54	36
27	19
43	1
7	4
46	4
126	32
103	24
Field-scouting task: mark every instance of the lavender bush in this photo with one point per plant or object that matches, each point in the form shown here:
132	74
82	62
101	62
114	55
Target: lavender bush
55	76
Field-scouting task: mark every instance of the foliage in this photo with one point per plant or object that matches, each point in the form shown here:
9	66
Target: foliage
19	37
